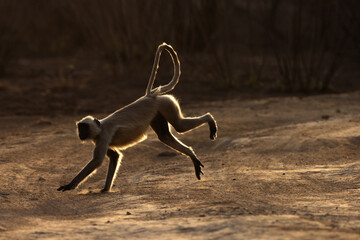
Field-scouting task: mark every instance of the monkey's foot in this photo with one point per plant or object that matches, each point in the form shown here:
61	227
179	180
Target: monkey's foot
65	188
198	165
213	129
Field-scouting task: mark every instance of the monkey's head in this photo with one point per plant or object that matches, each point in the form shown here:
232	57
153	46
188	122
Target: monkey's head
88	128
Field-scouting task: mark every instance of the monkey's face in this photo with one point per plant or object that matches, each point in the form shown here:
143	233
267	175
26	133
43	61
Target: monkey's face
88	128
83	131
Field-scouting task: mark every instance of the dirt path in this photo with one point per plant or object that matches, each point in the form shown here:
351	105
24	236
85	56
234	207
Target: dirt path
282	168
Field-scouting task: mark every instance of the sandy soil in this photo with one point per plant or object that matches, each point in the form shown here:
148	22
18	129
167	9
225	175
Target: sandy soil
282	168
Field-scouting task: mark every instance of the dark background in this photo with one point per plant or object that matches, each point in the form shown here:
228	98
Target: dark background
84	56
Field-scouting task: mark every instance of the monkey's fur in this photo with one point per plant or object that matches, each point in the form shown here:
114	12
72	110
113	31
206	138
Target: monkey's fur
128	126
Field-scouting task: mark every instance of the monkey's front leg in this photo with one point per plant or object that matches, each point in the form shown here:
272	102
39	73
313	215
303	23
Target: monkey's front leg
87	170
115	160
98	158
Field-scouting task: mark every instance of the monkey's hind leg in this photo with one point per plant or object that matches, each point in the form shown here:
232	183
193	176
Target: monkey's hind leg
172	113
114	163
184	124
161	127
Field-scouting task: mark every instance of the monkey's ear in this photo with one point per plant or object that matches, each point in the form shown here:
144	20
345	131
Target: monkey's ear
97	122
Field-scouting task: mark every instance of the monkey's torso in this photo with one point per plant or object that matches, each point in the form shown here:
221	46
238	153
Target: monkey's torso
128	125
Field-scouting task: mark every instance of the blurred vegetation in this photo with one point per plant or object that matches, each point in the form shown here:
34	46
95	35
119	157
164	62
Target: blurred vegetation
276	44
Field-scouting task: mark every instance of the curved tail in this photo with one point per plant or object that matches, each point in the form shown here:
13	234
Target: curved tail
175	79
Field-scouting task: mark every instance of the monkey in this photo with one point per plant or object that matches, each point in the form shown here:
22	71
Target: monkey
127	126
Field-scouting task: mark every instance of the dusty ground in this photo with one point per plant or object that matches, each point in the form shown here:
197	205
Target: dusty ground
282	168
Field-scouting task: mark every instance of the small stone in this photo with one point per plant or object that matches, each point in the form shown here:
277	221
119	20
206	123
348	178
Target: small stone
4	193
41	179
128	213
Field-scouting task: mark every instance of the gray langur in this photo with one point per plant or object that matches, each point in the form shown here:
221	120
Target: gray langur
128	126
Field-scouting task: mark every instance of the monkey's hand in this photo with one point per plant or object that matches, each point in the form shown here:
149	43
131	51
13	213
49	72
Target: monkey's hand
65	188
198	165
